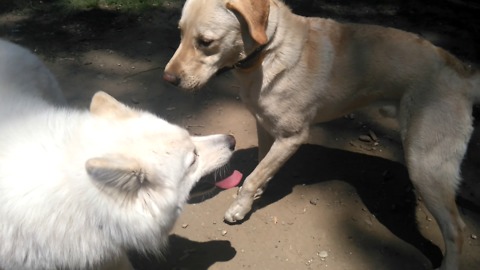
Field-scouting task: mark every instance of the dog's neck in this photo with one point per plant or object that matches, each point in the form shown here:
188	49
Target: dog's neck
257	54
250	61
253	59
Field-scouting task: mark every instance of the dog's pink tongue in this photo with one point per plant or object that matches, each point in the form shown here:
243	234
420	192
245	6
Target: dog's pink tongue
230	181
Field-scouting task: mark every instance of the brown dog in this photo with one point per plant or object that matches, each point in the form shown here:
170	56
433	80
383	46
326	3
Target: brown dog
296	71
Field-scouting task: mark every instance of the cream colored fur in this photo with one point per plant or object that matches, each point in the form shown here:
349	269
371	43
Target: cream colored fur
78	188
312	70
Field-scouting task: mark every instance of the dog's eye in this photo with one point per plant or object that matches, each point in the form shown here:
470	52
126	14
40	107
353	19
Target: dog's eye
204	42
195	156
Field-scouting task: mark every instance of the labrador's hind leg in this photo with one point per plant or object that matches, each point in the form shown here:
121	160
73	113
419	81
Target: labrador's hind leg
435	141
439	198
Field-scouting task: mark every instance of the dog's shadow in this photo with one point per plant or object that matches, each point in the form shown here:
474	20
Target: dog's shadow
183	253
383	186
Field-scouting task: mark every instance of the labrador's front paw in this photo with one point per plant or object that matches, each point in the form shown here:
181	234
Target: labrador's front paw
239	208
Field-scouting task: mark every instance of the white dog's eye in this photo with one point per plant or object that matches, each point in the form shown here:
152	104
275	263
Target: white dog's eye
195	156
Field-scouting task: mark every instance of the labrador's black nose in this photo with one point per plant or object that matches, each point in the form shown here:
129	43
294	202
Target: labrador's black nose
171	78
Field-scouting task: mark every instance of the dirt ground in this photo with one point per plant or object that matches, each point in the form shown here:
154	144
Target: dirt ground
342	202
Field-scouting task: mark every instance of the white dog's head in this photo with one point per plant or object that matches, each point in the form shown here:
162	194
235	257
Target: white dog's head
215	34
146	157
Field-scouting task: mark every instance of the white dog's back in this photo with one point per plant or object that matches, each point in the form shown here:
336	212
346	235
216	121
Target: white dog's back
24	72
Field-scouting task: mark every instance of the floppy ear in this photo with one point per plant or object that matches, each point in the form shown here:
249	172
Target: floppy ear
106	106
116	172
255	13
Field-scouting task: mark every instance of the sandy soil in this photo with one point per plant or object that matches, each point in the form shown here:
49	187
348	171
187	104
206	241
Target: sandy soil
339	203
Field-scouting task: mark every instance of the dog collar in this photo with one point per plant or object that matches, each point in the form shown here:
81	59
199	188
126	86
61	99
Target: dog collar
246	62
251	59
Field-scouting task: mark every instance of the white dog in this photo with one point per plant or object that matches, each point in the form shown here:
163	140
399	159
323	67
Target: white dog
295	71
78	188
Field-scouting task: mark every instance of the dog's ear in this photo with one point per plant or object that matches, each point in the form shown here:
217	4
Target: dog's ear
106	106
116	172
255	13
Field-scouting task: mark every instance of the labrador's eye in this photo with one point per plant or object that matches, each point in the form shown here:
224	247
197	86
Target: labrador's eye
204	42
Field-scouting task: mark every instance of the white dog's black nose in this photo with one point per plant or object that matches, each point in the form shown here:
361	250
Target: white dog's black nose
231	142
171	78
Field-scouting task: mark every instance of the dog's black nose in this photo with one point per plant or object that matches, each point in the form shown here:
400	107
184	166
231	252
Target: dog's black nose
231	142
171	78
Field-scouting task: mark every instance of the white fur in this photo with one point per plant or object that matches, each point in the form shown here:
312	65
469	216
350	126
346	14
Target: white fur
78	188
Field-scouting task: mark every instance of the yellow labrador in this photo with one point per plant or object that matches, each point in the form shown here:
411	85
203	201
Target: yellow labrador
296	71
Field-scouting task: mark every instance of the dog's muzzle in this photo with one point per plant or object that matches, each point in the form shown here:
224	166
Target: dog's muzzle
171	78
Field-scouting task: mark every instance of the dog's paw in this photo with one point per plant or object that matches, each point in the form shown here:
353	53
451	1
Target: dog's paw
239	208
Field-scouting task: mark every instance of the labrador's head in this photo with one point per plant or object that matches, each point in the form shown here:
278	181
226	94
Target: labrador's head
215	34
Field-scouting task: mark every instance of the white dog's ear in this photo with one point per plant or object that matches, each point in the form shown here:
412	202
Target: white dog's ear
255	13
117	172
106	106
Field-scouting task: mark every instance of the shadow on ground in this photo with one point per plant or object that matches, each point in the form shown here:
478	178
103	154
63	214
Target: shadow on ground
186	254
382	185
